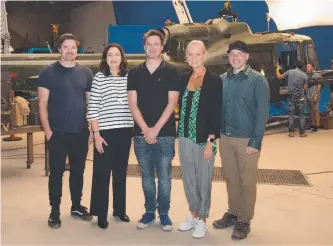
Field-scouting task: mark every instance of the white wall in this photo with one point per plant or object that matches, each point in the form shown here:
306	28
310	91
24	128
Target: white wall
90	24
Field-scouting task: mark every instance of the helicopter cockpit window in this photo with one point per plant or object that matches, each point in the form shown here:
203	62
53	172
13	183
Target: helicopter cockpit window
287	54
306	52
312	54
181	50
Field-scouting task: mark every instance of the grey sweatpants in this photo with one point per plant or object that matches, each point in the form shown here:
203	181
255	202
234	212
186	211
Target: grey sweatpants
197	176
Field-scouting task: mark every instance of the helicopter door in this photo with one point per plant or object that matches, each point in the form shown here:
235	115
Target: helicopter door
287	54
288	59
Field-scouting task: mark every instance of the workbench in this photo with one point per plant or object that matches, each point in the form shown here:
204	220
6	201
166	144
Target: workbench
29	130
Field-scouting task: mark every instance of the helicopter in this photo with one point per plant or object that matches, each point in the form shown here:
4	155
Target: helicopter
266	50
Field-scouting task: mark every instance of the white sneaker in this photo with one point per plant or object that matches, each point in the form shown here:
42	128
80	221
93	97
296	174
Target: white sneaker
189	224
200	230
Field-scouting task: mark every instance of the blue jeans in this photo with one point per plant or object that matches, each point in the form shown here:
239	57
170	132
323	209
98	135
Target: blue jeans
293	103
159	156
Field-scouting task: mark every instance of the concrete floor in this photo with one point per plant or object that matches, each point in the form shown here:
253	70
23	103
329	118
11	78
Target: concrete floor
289	215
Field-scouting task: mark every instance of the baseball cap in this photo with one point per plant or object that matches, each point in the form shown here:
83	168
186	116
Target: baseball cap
238	45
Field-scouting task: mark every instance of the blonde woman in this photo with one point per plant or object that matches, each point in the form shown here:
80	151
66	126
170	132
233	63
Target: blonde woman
199	126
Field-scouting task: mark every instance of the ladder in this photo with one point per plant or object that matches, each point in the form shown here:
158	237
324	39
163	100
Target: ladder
5	36
182	11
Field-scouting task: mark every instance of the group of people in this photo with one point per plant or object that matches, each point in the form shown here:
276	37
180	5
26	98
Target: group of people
301	96
115	105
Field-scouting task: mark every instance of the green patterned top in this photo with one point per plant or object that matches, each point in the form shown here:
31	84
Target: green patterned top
192	127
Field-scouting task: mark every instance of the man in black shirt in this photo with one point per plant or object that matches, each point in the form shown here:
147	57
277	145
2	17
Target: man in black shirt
153	90
62	106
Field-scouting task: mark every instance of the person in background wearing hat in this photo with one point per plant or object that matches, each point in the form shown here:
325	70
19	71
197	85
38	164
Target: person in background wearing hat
297	84
245	108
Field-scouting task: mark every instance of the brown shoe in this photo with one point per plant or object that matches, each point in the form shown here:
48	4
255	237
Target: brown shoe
303	135
291	134
226	221
241	230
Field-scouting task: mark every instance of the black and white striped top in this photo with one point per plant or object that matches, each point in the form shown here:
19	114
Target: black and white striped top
108	102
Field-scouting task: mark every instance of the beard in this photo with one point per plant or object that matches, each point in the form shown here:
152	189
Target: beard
69	57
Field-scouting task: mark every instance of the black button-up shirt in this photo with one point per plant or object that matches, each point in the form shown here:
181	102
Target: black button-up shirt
245	105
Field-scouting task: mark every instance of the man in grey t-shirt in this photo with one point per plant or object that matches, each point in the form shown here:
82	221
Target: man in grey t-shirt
297	83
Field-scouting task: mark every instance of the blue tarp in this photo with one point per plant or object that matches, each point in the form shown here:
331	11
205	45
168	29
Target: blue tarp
130	36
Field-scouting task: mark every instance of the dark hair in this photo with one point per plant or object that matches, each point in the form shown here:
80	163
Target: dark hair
299	64
312	65
104	66
153	33
67	36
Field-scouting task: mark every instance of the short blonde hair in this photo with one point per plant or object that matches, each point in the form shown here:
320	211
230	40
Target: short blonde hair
197	42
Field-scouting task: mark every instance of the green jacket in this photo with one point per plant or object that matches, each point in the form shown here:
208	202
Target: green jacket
245	105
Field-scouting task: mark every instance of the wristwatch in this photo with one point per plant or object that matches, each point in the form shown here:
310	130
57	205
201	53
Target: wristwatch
210	140
96	132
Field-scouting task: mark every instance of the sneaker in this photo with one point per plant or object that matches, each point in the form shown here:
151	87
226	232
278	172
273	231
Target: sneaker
241	230
54	220
291	134
165	222
81	212
146	220
226	221
189	223
200	230
303	135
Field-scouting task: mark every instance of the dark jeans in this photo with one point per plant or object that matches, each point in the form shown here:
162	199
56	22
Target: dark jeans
75	145
293	103
159	156
115	160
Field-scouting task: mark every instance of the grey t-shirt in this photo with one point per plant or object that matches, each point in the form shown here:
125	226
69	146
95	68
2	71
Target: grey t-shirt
296	81
67	98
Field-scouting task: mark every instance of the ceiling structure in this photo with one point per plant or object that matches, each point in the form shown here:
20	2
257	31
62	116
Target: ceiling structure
44	5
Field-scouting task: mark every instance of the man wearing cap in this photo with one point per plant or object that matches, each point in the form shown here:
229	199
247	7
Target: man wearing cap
245	109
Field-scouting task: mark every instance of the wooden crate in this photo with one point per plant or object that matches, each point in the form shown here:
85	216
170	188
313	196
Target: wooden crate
326	122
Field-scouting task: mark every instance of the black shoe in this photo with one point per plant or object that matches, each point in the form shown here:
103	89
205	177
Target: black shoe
102	223
81	212
226	221
241	230
123	218
54	220
315	129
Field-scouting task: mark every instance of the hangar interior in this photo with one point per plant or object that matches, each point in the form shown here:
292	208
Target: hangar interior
30	21
295	198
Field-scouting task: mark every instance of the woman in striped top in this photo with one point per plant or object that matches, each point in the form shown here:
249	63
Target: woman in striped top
112	125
